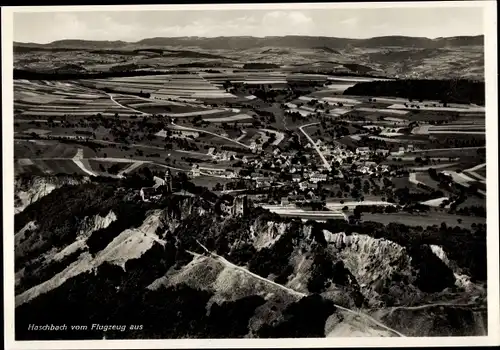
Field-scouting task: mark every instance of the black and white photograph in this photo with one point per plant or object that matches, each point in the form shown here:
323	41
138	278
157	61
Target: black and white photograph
242	172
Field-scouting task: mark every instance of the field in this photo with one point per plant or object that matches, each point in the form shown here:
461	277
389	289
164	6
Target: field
426	179
174	96
45	99
205	117
184	86
424	220
468	129
49	167
48	149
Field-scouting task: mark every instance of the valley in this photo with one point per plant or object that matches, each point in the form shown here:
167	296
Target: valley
244	187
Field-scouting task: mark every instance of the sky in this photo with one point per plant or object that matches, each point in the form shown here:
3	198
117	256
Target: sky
45	27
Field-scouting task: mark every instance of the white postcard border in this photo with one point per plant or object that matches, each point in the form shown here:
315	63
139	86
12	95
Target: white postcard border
491	80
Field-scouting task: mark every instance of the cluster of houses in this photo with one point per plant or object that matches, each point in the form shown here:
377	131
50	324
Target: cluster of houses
366	152
222	155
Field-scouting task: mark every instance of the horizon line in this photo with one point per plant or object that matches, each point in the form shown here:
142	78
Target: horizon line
244	36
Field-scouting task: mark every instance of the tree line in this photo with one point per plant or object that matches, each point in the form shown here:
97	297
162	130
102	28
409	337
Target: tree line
446	91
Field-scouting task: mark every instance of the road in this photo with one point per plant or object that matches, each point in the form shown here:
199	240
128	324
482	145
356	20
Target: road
425	306
339	206
294	292
304	214
123	160
123	106
134	164
477	167
472	171
211	133
445	149
435	166
129	160
325	162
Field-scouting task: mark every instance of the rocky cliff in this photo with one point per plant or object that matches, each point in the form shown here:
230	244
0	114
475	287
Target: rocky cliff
97	252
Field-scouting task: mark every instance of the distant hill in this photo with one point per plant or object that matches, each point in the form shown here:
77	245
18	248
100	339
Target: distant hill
327	50
94	44
248	42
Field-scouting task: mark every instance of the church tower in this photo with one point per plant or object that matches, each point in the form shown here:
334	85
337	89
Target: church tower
168	181
240	205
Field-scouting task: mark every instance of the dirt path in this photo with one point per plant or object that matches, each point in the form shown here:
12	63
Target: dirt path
296	293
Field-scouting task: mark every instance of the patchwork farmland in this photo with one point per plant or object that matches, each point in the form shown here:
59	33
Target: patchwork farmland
315	186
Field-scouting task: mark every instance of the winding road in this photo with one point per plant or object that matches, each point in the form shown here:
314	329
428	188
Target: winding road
211	133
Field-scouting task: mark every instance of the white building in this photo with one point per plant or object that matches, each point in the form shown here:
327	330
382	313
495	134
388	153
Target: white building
315	178
195	171
363	151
